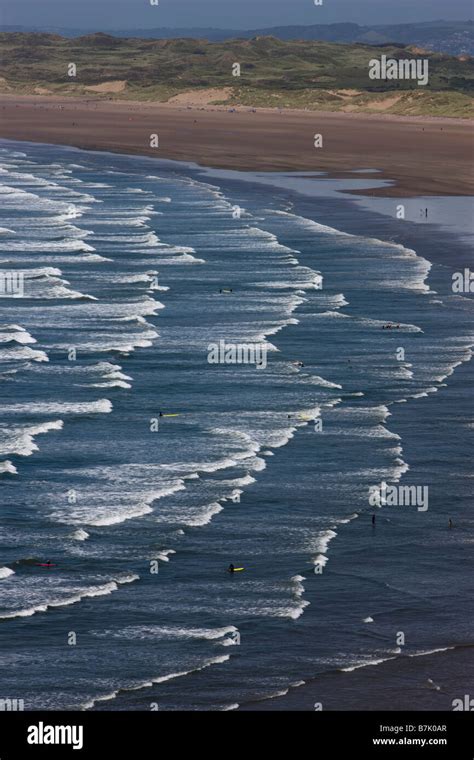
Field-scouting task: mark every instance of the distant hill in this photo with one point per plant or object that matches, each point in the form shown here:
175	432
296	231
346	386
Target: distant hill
274	73
453	37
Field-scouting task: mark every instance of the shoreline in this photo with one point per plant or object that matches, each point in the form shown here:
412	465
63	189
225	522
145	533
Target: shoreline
350	690
418	156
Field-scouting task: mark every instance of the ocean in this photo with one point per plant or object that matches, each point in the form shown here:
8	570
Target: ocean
141	469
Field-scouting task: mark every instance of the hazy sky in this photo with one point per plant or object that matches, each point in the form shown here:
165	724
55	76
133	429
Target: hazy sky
236	14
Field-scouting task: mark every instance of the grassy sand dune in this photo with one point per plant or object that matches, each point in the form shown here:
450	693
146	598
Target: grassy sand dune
273	73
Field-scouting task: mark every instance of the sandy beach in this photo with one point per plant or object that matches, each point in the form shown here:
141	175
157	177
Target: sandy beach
422	156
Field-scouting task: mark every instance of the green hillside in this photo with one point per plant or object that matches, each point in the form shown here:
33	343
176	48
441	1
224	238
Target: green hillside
300	74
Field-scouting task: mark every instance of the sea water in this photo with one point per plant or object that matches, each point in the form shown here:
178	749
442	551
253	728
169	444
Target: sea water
131	269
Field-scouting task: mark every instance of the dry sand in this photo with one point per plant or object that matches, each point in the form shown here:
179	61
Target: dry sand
200	97
424	156
117	85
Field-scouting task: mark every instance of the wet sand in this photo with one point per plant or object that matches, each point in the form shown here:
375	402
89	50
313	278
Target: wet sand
421	155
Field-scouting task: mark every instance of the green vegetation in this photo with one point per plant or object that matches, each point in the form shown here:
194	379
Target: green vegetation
274	73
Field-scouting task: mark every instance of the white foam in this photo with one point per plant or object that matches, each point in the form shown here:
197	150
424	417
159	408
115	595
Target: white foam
160	632
246	480
158	679
430	651
16	334
92	591
17	354
20	439
163	555
111	384
102	406
80	535
204	516
298	588
7	466
324	383
116	509
366	664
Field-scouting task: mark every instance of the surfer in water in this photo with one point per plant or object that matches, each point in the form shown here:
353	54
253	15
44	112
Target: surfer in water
231	568
373	520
